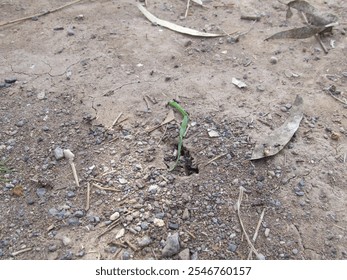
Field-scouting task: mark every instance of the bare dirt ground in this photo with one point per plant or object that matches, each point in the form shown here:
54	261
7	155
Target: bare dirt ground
79	68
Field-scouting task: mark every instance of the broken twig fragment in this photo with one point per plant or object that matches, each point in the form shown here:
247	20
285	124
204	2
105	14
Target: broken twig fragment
275	142
70	156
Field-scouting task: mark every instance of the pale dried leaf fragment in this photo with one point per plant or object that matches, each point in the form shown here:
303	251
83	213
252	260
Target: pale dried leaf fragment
238	83
314	16
297	33
277	139
175	27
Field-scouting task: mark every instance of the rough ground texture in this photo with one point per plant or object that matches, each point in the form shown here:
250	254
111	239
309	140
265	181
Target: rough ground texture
79	68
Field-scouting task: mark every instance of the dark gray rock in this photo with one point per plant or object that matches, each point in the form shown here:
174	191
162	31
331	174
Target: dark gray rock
172	246
173	226
79	214
10	80
232	247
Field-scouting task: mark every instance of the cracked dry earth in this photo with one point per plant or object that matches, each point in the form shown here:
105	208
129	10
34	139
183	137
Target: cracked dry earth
74	71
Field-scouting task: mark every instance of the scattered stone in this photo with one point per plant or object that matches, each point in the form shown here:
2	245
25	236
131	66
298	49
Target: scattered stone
271	173
126	255
295	251
58	153
81	253
144	241
299	193
120	233
53	212
114	216
41	95
66	241
67	256
184	255
79	214
52	248
232	247
20	123
335	136
153	189
260	88
158	222
41	192
185	215
273	60
122	181
172	246
70	31
194	256
58	28
73	221
173	226
267	232
144	225
10	80
213	133
284	109
30	201
70	194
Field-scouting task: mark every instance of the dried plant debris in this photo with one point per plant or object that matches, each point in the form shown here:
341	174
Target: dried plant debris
314	16
298	33
175	27
275	142
318	22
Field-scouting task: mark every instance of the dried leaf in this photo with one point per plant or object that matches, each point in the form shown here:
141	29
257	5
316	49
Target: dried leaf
276	141
175	27
298	33
314	16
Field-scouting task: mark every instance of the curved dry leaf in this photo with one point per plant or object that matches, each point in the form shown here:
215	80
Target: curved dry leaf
276	141
314	16
298	33
175	27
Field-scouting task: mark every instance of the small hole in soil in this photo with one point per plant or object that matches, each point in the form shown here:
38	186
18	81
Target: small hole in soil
186	166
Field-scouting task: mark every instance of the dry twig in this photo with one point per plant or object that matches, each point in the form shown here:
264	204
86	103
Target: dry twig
238	205
256	232
88	197
41	14
214	159
20	252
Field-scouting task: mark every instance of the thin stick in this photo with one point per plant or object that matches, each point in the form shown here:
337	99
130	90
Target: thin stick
153	100
190	234
88	197
256	232
214	159
20	252
40	15
186	14
148	108
316	35
132	246
116	120
106	189
338	99
117	253
155	256
259	256
114	224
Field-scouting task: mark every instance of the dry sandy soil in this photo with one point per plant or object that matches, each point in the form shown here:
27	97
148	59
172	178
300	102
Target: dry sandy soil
79	68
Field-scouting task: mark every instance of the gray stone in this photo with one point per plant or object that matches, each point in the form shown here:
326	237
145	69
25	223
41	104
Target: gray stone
53	212
41	192
153	189
300	193
273	60
232	247
184	255
126	255
144	225
79	214
172	246
295	251
10	80
173	226
73	221
58	153
70	31
20	123
52	247
144	241
70	194
185	215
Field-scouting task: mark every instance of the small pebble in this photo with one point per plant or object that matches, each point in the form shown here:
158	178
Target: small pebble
70	194
41	192
295	251
158	222
70	31
10	80
232	247
73	221
184	255
144	241
58	153
267	232
114	216
173	226
273	60
79	214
